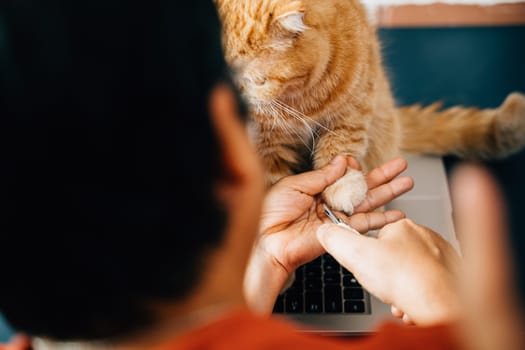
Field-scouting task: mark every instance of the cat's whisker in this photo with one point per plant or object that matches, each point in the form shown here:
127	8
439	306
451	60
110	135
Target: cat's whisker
293	110
297	112
292	131
297	115
275	116
294	114
285	127
313	133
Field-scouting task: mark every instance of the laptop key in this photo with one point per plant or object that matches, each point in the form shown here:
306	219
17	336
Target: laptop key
330	267
316	262
333	302
299	273
353	293
313	284
329	258
318	288
312	271
296	288
350	281
332	278
313	302
294	303
279	304
354	306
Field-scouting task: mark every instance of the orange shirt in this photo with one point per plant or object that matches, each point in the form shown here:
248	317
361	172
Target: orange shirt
242	330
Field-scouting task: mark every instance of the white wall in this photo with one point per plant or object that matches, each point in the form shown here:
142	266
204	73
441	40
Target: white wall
405	2
372	5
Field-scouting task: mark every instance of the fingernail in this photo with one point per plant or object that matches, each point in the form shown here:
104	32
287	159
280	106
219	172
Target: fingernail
323	230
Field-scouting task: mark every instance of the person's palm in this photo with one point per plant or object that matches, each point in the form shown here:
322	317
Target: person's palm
288	226
292	211
292	214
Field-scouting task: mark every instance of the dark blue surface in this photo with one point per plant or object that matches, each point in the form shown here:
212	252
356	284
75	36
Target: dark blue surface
472	67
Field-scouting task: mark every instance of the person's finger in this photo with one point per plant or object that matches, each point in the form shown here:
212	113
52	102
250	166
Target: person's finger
407	320
353	163
364	222
488	288
315	181
396	312
385	193
347	247
386	172
481	225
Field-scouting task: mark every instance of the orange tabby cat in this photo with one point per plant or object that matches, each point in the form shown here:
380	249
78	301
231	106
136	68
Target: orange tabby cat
312	74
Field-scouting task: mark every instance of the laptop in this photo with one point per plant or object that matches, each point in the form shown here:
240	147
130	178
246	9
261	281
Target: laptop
326	298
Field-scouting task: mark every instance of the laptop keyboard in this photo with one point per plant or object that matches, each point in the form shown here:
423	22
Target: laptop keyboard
323	286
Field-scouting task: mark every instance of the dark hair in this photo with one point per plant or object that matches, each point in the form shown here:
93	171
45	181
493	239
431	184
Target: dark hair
108	160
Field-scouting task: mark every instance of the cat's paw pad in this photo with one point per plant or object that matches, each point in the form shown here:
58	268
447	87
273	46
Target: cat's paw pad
347	192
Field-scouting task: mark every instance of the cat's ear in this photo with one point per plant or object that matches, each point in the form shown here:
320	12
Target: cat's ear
289	16
292	21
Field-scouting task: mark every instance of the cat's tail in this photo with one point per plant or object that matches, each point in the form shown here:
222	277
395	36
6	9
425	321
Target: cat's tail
466	132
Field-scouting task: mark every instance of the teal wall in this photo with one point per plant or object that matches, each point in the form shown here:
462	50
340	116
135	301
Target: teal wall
5	333
470	66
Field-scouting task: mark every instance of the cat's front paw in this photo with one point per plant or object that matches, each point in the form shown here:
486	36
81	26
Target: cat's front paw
347	192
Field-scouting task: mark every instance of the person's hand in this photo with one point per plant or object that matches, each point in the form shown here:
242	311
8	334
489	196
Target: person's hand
292	214
407	265
489	292
18	342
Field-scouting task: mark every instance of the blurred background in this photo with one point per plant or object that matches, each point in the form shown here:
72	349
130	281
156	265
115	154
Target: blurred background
470	53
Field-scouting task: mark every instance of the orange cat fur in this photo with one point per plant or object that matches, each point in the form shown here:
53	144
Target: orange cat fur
311	71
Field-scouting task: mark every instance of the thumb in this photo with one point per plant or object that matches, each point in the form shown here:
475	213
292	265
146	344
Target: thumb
315	181
348	248
479	211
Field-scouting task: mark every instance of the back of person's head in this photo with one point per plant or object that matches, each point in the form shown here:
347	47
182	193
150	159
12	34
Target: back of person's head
108	160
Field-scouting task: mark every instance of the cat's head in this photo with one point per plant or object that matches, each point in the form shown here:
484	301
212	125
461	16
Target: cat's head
275	47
